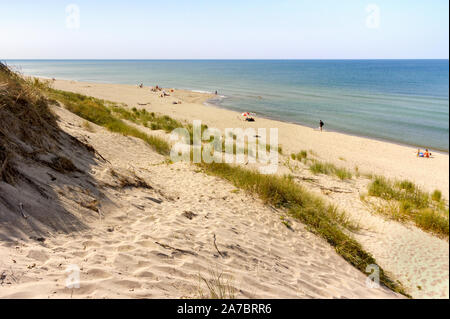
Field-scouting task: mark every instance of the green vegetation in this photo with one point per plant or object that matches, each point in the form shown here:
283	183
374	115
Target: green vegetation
218	286
322	219
95	110
329	169
26	123
317	167
300	156
285	222
405	201
142	116
280	148
436	196
401	191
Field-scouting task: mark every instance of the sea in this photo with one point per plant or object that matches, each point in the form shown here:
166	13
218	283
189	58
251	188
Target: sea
401	101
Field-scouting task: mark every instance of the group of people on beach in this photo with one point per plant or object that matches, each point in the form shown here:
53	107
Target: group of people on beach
248	116
426	154
157	88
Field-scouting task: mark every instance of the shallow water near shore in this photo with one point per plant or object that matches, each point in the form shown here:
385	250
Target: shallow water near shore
403	101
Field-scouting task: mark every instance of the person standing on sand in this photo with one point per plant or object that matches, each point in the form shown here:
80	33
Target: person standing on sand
321	125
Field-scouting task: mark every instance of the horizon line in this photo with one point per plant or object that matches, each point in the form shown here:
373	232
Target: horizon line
217	59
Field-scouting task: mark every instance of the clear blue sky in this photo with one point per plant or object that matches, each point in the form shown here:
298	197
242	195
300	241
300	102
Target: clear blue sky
294	29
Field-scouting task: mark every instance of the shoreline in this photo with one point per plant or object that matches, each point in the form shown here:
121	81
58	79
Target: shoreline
434	150
130	251
367	154
210	102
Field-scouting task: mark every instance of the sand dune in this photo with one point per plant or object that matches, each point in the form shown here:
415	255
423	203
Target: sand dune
159	238
156	242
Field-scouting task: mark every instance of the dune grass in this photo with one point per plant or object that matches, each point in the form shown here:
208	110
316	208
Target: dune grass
405	201
147	119
330	169
96	111
217	286
25	118
320	218
317	167
300	156
436	195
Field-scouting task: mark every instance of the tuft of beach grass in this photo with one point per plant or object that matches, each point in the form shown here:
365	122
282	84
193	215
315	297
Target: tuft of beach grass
405	201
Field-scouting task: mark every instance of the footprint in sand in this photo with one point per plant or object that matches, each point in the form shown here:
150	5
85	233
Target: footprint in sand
38	255
98	273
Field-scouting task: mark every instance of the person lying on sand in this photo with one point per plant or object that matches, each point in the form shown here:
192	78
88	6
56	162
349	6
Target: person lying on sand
426	154
164	93
247	116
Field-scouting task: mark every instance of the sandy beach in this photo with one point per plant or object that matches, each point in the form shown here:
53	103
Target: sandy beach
214	158
156	242
369	155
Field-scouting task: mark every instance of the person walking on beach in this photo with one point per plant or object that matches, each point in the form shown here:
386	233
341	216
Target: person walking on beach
321	125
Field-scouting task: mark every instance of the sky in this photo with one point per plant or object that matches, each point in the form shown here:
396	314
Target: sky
208	29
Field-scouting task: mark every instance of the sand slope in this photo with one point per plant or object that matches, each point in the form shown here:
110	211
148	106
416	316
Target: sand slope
155	242
416	258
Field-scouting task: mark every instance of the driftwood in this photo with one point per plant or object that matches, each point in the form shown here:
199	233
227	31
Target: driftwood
333	189
215	245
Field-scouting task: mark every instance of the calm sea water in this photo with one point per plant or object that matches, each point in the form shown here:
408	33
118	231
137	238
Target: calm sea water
404	101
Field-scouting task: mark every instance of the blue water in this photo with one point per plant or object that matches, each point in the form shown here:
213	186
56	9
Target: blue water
404	101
